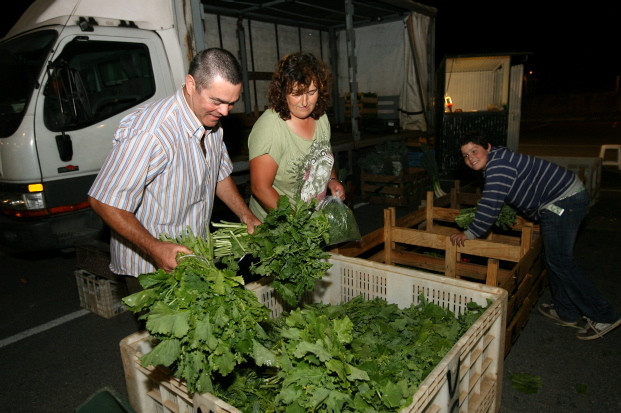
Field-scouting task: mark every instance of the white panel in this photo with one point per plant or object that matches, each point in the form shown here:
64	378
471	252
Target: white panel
264	53
382	75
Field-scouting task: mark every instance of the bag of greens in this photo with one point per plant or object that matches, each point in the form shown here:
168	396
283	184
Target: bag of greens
343	225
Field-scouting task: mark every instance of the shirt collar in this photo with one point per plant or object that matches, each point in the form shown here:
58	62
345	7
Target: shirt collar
191	124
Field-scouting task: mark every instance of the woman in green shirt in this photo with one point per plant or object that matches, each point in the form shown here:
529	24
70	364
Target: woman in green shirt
289	145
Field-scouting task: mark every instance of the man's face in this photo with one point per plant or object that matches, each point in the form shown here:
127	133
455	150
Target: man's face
475	156
213	102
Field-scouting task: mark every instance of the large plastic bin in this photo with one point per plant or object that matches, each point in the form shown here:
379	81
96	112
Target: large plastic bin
468	378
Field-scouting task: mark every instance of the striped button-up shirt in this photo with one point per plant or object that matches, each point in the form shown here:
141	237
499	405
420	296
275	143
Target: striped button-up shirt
526	182
157	171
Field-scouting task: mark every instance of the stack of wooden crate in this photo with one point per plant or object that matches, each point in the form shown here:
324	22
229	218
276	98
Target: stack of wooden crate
512	259
406	188
367	105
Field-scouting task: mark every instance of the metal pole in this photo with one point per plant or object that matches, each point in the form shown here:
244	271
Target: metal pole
352	63
241	39
197	22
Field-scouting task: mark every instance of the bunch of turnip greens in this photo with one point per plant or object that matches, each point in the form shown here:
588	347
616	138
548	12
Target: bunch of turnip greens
288	246
361	356
202	320
506	219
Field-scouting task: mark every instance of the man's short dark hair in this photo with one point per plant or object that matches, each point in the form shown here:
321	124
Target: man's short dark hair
213	62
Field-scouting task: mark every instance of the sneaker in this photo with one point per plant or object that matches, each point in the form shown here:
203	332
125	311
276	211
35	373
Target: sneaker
549	311
593	330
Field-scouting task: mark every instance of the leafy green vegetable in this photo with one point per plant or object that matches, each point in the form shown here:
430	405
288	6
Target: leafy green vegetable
506	219
525	383
288	246
203	322
428	161
364	356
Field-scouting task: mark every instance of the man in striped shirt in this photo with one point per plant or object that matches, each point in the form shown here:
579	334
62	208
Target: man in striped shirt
167	163
555	196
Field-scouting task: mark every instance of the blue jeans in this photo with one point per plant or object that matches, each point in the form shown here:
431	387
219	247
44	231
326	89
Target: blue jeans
573	294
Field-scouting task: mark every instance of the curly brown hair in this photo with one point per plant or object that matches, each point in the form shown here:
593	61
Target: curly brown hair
299	70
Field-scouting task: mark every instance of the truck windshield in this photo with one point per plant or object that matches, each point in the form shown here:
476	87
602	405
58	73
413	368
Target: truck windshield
21	62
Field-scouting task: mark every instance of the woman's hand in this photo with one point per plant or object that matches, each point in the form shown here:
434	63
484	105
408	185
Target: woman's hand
459	239
336	188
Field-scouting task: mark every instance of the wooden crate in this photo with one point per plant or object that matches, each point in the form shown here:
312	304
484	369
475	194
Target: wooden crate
512	260
366	103
395	190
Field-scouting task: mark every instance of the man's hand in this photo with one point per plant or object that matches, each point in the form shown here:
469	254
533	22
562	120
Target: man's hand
165	254
251	221
125	223
458	239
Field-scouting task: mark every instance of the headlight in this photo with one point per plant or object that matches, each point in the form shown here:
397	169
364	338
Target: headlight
22	201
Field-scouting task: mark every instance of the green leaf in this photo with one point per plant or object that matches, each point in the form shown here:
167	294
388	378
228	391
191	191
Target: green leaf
163	320
204	332
139	300
315	348
526	383
164	353
287	395
262	356
391	394
225	362
151	279
336	400
343	328
354	373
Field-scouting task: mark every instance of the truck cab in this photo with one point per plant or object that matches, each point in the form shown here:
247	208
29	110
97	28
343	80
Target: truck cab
70	70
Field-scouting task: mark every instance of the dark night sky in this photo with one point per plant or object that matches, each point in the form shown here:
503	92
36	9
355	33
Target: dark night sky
573	50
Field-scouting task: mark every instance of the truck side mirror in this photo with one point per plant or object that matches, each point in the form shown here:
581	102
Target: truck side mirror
66	88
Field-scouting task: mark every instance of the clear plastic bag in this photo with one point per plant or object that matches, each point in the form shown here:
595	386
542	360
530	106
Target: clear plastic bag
343	225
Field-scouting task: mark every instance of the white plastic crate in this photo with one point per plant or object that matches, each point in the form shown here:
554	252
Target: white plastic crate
100	295
468	378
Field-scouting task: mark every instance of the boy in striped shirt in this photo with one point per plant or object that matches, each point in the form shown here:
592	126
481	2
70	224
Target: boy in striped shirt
545	192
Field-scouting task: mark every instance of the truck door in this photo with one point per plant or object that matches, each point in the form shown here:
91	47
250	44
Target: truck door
92	82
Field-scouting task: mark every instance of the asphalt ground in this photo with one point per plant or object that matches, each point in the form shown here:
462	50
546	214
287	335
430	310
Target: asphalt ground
54	354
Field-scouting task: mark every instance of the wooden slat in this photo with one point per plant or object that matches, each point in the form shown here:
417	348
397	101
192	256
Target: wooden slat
429	211
357	248
492	272
450	258
480	248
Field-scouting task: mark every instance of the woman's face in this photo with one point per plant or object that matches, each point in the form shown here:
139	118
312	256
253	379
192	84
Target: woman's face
475	156
301	105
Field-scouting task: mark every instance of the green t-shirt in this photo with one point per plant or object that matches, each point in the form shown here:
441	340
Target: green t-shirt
304	166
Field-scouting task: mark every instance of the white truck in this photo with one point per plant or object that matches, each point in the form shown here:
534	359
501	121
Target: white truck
70	70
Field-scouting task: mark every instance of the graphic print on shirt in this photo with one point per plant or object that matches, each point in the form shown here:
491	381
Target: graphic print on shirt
313	170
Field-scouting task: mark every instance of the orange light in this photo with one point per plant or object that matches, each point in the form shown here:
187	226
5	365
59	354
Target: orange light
35	187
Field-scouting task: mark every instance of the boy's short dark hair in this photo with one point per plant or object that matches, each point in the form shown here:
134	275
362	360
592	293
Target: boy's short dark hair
475	137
